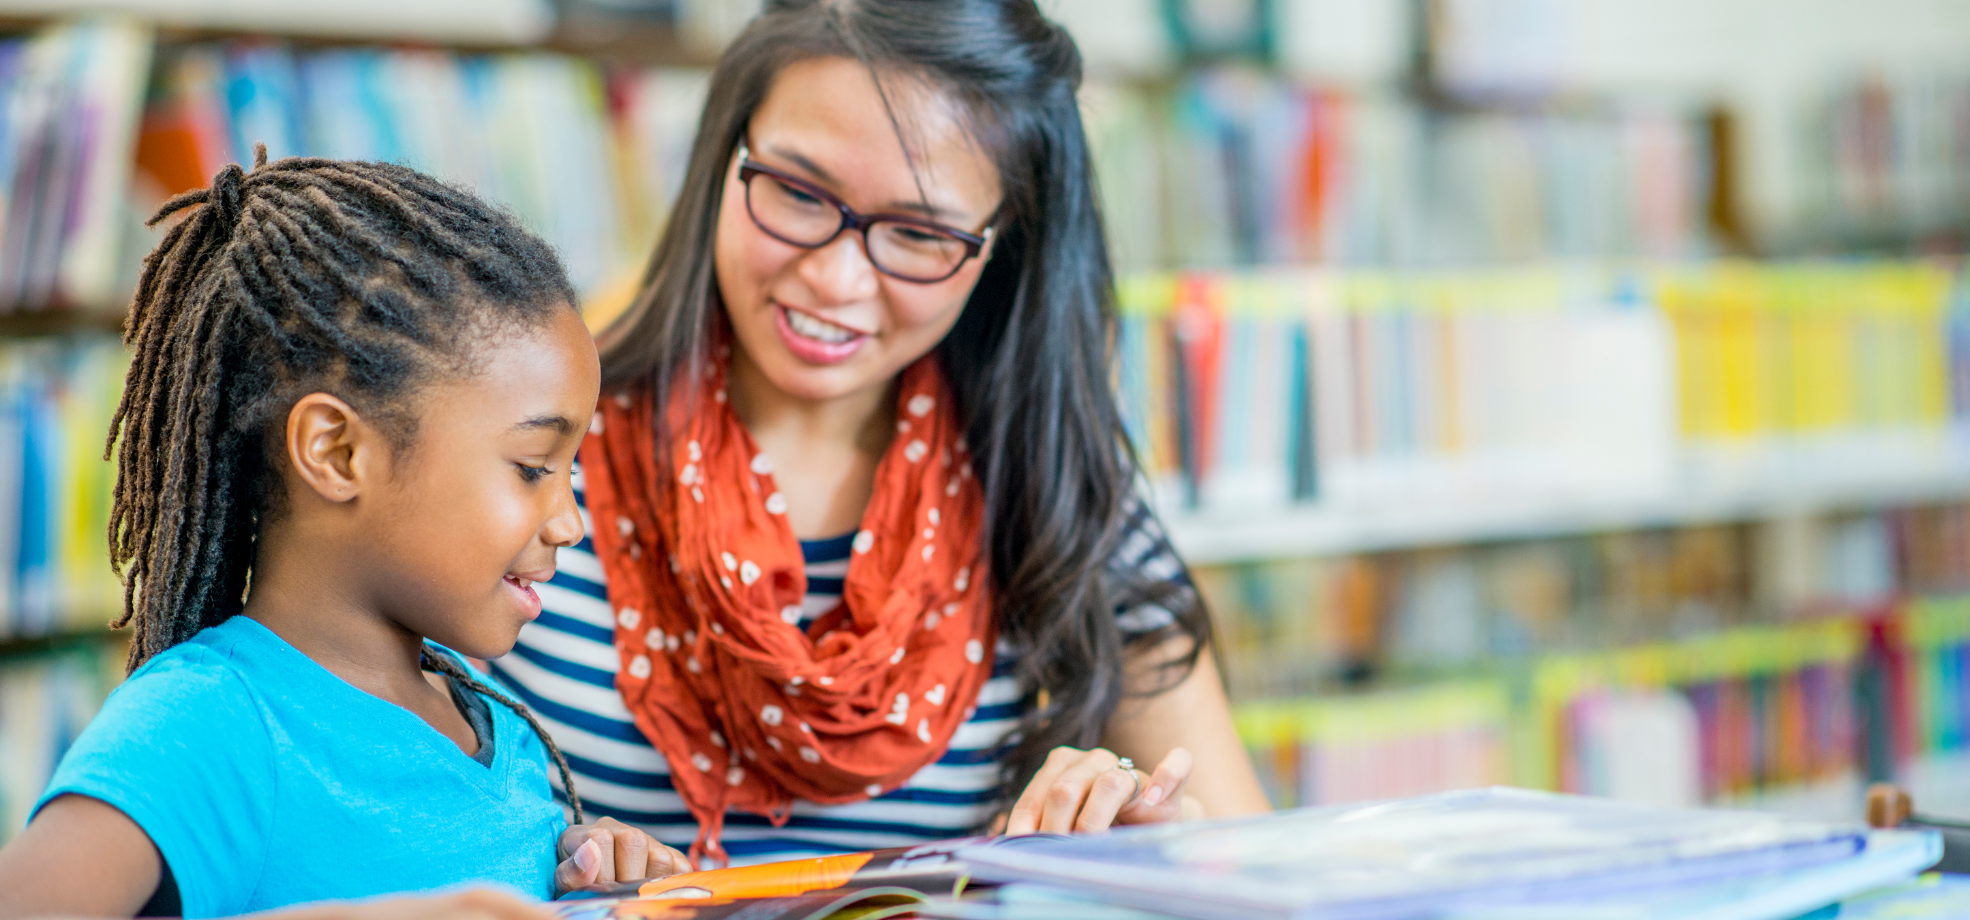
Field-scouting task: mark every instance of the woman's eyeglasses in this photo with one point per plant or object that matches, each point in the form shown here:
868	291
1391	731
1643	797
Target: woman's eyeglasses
799	213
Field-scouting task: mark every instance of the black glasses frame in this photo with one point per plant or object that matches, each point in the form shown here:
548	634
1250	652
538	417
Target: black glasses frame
853	220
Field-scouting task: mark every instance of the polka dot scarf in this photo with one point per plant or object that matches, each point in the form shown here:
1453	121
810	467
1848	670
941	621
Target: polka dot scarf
706	579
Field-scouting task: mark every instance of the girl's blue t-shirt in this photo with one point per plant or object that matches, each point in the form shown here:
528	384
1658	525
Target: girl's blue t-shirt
267	781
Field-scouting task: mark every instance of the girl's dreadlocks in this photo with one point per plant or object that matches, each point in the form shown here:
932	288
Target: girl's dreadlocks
306	275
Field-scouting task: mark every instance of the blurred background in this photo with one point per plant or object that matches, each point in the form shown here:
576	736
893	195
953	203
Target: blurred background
1564	393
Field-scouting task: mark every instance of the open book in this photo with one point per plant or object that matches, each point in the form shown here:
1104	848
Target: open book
1491	854
1471	853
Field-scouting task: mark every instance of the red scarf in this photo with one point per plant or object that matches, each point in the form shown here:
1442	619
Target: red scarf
706	579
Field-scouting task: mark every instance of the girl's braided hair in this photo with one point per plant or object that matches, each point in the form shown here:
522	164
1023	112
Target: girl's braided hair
432	661
306	275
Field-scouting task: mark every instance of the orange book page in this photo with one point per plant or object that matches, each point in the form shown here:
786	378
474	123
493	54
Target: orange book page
772	880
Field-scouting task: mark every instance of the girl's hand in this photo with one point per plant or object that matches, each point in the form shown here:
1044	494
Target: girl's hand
464	905
1085	791
608	852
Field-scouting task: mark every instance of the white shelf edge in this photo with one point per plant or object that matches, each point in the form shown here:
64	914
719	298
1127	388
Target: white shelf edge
1210	538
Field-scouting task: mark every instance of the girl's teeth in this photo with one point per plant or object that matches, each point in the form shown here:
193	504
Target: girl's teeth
818	329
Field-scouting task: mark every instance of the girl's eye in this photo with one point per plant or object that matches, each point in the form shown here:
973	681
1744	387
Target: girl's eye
533	473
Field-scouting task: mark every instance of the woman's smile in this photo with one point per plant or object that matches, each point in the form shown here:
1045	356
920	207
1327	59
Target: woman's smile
815	340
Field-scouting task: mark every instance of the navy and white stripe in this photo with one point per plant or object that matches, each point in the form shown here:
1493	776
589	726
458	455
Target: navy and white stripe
565	664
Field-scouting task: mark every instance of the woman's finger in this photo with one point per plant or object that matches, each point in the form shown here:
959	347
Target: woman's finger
1070	789
1112	790
1162	795
1032	805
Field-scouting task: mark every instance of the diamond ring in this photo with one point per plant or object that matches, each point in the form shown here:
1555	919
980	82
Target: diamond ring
1128	766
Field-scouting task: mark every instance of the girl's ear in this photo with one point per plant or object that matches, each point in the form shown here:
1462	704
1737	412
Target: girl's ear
331	449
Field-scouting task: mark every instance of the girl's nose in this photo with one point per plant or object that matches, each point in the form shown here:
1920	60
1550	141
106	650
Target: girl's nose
563	527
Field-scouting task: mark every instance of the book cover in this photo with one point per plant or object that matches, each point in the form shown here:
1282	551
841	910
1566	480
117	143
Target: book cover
110	78
1395	859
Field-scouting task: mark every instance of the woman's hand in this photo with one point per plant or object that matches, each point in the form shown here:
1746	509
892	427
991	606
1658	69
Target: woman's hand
609	851
1086	791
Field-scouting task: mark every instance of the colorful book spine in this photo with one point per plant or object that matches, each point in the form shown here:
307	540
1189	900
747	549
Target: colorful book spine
1885	162
69	98
56	400
45	700
1388	744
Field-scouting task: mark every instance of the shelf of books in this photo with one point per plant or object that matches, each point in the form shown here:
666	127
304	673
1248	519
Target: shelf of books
1614	514
1778	663
1314	412
587	155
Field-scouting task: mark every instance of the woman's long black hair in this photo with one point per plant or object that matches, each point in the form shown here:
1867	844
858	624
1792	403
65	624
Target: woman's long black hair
1029	357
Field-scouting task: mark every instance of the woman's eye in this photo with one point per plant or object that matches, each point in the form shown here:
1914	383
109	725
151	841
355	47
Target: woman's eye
533	473
918	237
798	196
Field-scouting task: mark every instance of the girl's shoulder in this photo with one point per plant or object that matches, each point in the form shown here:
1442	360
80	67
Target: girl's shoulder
213	668
197	697
229	659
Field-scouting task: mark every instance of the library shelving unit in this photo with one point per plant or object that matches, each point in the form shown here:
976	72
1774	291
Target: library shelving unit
19	646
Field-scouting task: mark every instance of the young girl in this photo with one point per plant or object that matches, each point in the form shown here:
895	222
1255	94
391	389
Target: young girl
345	444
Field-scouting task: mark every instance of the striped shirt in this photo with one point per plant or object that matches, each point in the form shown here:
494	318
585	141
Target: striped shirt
564	667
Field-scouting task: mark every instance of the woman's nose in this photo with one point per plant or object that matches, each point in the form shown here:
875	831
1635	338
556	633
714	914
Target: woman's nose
840	272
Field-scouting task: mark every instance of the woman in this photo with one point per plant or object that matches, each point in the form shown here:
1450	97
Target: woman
865	563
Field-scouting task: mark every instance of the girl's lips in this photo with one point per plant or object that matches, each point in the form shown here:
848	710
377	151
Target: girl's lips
814	351
524	595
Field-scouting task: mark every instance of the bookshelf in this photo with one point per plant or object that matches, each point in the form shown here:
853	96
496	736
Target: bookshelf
35	323
1359	177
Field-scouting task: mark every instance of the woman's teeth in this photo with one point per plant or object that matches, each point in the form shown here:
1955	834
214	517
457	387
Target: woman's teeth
819	330
522	582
